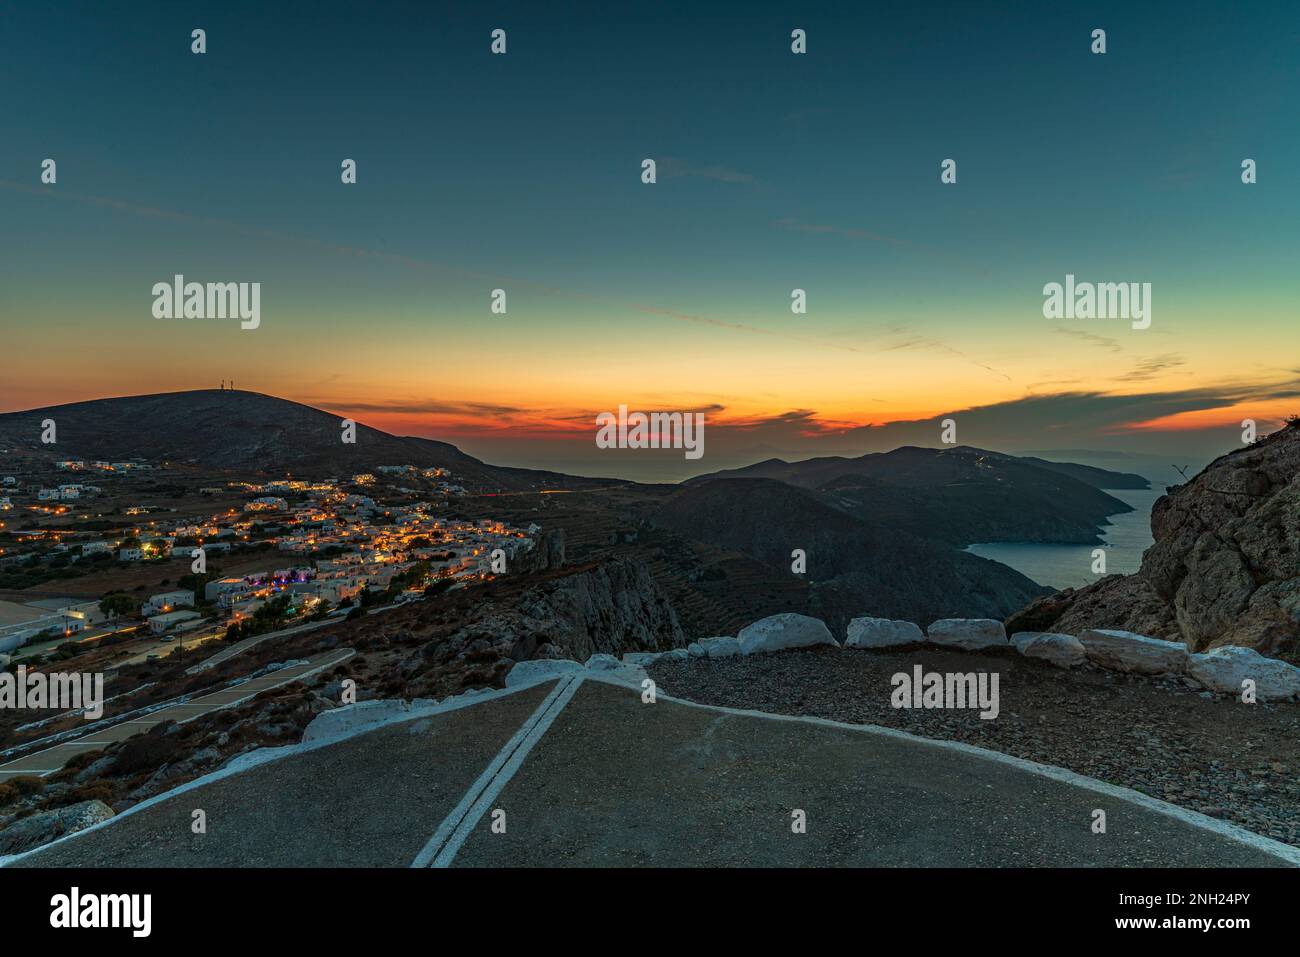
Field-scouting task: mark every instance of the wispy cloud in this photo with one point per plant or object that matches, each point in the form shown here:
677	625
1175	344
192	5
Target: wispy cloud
828	229
1151	367
1092	339
673	167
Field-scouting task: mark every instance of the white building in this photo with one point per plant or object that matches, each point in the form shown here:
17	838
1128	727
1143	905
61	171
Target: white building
178	620
168	601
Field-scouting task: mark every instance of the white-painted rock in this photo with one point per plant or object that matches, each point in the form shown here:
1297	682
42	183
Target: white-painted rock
603	663
881	633
1138	654
695	650
527	671
1224	669
642	658
340	722
631	675
677	654
968	634
782	632
724	647
1064	651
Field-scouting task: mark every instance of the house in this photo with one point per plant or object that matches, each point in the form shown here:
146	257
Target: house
219	589
177	620
267	503
47	494
168	601
130	555
72	607
19	624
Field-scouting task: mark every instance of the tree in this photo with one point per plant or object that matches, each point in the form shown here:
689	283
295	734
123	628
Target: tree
117	603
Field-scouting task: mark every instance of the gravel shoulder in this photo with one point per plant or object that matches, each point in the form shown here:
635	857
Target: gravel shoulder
1215	755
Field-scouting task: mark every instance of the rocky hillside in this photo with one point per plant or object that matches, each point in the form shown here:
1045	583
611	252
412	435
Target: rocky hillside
854	567
472	637
1225	566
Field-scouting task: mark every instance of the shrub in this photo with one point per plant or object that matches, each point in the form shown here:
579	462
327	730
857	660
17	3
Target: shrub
147	752
98	791
28	785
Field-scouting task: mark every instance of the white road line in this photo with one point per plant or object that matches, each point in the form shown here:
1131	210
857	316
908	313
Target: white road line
456	827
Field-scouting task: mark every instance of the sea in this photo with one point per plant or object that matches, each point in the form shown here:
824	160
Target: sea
1070	566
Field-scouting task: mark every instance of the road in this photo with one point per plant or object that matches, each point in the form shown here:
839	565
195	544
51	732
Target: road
49	760
581	772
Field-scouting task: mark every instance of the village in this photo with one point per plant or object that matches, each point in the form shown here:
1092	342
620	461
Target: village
248	557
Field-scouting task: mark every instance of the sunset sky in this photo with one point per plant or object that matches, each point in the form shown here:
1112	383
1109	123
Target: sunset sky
775	171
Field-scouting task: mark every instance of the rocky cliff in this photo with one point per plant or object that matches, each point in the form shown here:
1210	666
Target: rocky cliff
475	636
1225	566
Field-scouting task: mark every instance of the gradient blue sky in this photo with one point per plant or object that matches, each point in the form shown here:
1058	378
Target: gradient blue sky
776	171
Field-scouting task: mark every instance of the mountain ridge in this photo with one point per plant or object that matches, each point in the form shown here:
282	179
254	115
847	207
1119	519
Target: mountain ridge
237	429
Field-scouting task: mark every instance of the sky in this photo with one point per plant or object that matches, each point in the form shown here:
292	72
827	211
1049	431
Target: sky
775	171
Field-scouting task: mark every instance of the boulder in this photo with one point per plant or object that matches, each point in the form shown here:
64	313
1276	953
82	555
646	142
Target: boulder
968	634
41	828
782	632
603	663
882	633
695	650
725	647
1137	654
526	671
1224	669
346	720
1064	651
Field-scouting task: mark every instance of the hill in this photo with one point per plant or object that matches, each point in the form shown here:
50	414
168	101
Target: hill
959	495
246	431
854	567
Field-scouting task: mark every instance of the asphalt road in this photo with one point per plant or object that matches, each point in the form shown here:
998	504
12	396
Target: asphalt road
49	760
582	773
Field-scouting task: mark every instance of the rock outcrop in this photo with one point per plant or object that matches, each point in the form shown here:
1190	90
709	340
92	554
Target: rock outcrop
1224	569
611	608
46	826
